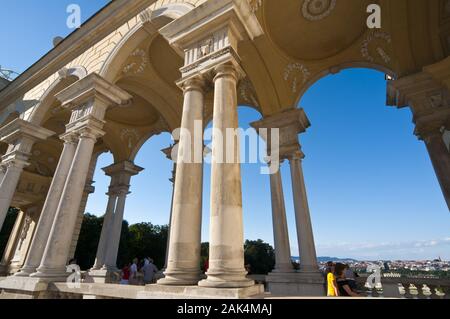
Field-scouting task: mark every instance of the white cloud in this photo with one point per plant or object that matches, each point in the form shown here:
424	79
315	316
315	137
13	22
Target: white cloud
424	249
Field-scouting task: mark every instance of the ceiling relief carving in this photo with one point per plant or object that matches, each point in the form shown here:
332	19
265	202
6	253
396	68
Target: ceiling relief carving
311	30
315	10
137	62
248	93
375	46
296	74
130	136
255	5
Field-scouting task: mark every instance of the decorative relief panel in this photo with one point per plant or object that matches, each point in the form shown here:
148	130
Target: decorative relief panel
296	74
137	62
315	10
255	5
373	47
213	43
130	136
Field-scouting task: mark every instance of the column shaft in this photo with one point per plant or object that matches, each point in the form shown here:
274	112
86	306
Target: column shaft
115	232
49	210
106	230
308	257
8	188
57	250
226	251
183	267
440	157
280	229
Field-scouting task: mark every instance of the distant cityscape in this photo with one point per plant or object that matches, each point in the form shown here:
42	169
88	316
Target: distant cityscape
400	266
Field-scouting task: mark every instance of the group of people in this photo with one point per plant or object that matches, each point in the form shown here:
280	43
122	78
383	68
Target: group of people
341	280
137	273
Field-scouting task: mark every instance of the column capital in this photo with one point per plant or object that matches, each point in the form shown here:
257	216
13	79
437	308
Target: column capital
209	35
90	88
195	83
22	135
428	98
69	138
229	69
121	170
287	125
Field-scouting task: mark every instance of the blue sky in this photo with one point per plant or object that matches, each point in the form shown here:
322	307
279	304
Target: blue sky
372	190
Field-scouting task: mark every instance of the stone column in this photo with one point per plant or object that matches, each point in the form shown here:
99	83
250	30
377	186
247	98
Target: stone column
183	267
427	95
50	206
107	221
440	157
8	187
106	263
168	153
88	190
116	231
10	248
308	257
226	252
53	264
21	136
89	99
280	228
2	172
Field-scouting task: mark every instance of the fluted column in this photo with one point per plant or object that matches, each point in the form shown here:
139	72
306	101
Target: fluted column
226	252
107	221
116	230
53	264
50	206
183	267
308	257
280	229
440	158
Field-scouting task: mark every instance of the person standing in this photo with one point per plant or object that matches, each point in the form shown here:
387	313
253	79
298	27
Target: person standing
332	288
149	271
125	275
133	272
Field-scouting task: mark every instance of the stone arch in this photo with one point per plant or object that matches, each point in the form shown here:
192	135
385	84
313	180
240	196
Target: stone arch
138	34
67	76
338	68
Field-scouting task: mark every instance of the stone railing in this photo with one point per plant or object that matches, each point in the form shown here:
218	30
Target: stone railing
409	287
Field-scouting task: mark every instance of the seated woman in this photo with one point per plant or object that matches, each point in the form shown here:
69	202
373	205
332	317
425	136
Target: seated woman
343	284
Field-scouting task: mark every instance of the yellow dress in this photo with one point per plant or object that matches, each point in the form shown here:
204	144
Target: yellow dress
330	283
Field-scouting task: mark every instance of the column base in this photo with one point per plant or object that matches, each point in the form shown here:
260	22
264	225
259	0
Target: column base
104	276
25	272
222	279
180	278
51	275
4	270
303	284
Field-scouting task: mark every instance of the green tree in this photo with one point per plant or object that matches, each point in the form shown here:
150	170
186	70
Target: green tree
88	241
260	256
6	230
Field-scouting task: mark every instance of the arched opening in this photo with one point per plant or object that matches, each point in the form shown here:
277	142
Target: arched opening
366	172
